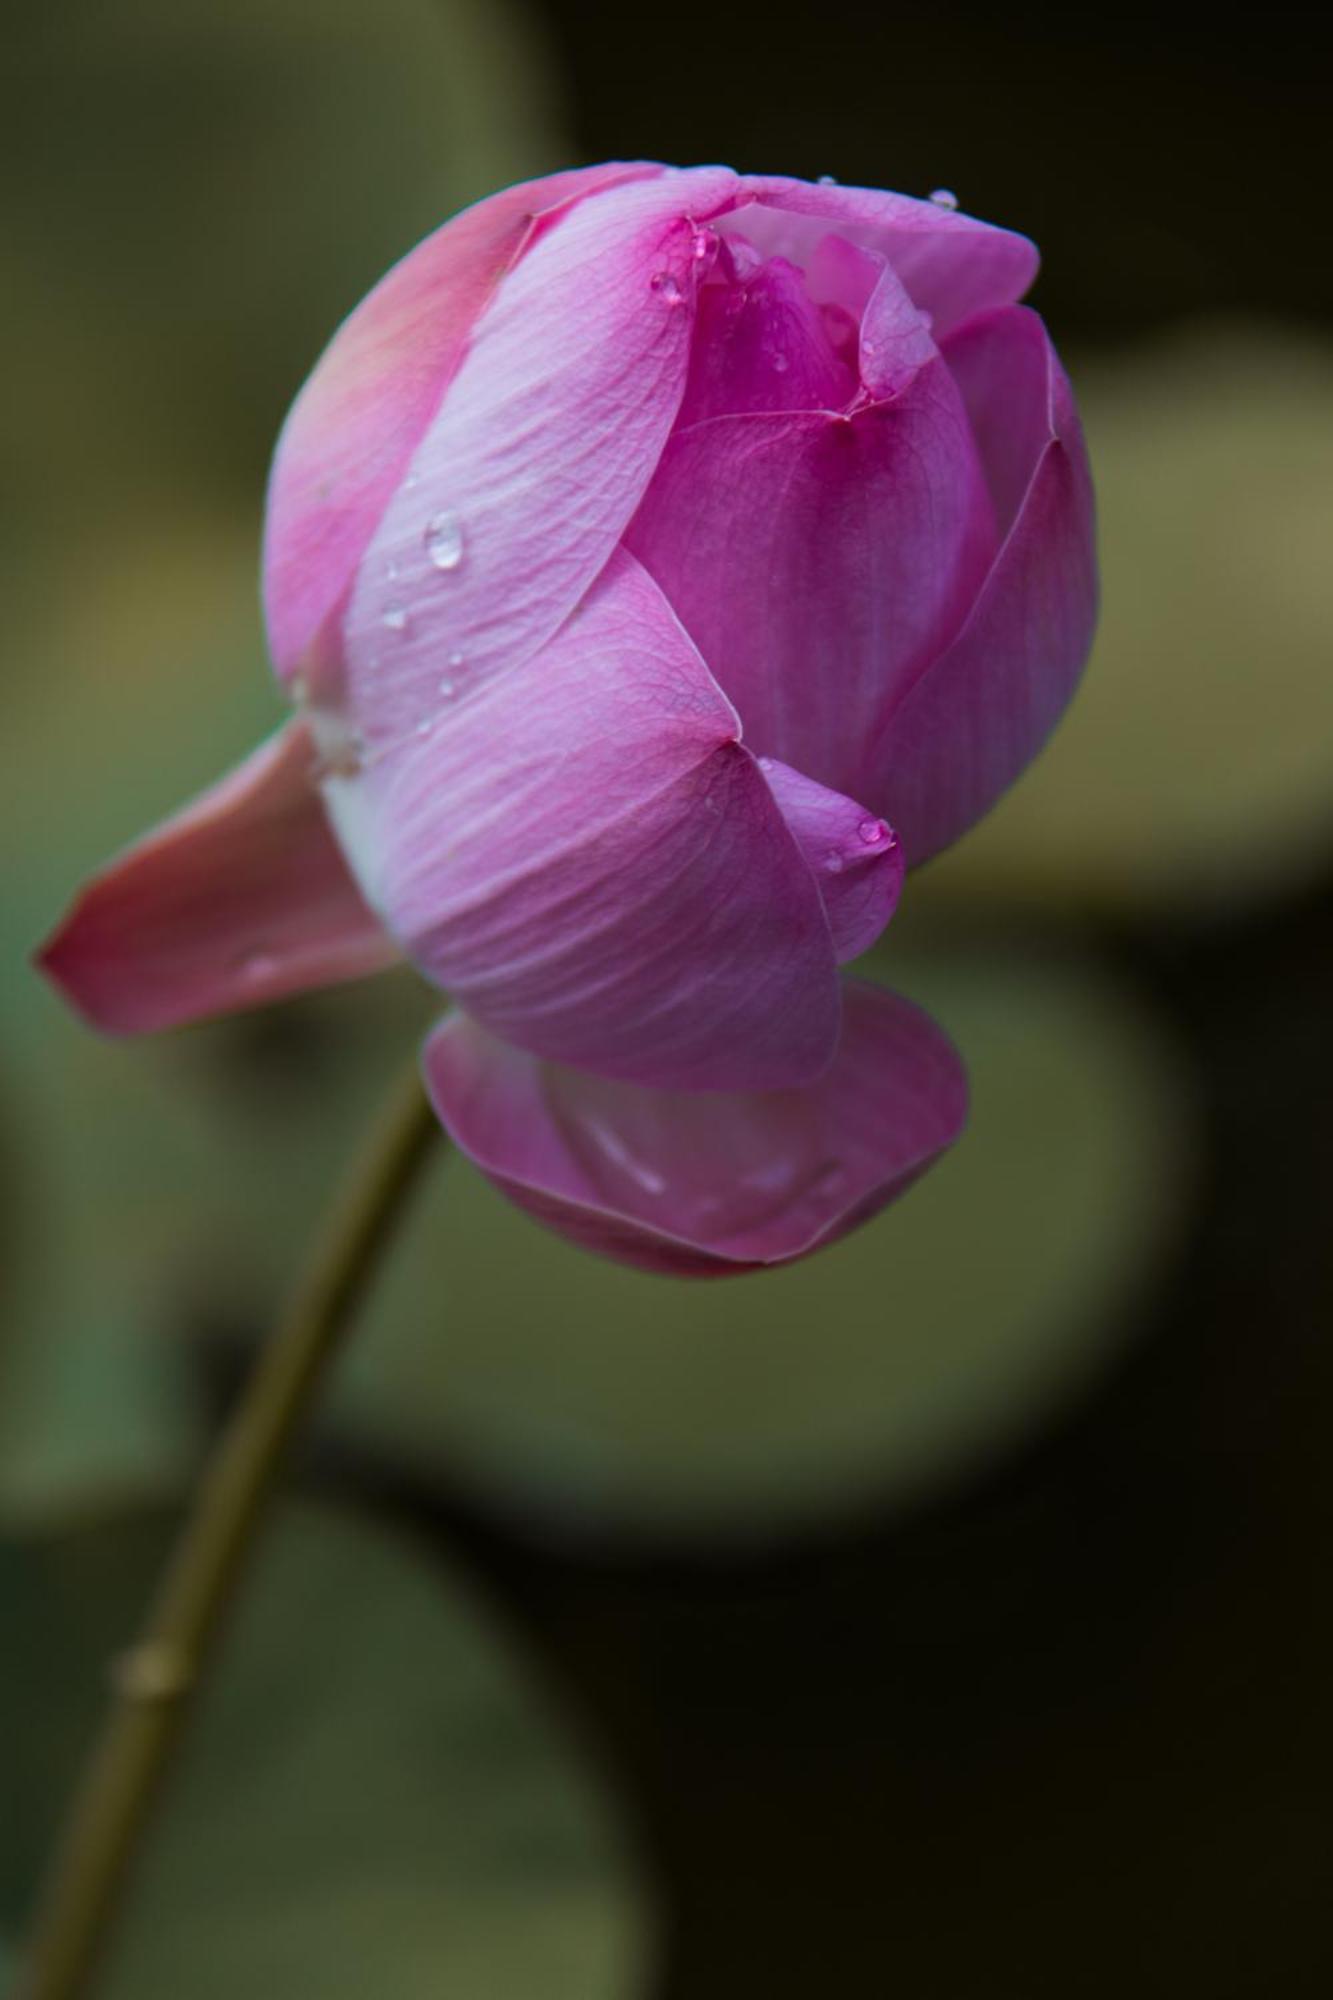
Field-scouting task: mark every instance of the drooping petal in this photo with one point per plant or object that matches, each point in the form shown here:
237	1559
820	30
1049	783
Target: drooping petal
953	265
980	714
854	857
819	562
584	855
240	899
354	427
707	1184
762	344
522	485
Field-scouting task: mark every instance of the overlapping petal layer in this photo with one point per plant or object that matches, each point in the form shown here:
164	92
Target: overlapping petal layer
583	853
696	1184
523	484
352	430
240	899
820	562
951	264
980	713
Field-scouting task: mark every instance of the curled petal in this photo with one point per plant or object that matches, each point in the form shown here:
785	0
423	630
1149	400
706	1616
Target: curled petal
820	562
522	485
582	852
356	423
978	716
854	857
951	264
242	898
705	1185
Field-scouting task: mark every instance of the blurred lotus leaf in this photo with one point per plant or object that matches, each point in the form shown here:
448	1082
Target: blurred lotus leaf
370	1800
1197	759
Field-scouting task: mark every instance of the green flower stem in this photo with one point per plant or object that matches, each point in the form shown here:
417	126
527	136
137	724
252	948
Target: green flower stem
155	1682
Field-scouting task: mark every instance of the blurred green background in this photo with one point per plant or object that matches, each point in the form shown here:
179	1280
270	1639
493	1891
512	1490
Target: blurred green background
945	1612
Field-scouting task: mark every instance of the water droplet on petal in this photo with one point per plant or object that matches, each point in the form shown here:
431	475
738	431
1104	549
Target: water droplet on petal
944	198
446	690
444	540
426	724
872	831
766	763
667	288
828	181
396	618
455	659
257	968
833	861
779	364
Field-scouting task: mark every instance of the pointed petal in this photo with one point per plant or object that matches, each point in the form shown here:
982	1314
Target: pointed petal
705	1185
820	562
952	264
980	714
762	344
585	856
854	857
896	338
240	899
356	423
522	485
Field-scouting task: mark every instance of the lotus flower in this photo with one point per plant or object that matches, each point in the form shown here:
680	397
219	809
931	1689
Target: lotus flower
658	562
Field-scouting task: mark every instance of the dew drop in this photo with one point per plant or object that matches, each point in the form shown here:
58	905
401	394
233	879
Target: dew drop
446	690
396	618
828	180
257	968
944	198
343	759
872	831
779	364
766	763
455	659
667	288
444	540
833	861
426	724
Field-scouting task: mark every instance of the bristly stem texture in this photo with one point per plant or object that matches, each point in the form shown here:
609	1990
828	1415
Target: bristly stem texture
154	1683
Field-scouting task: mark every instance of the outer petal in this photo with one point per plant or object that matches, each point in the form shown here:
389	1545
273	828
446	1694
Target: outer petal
820	562
238	900
353	428
952	265
707	1185
972	723
583	853
523	484
856	859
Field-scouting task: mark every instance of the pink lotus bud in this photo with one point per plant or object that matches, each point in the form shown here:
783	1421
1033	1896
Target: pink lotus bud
659	561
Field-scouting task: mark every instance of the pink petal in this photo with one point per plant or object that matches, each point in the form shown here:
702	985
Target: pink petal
973	722
762	344
706	1185
585	856
353	428
241	898
896	340
820	562
522	485
952	265
856	859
